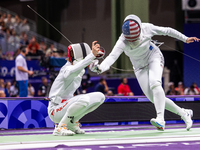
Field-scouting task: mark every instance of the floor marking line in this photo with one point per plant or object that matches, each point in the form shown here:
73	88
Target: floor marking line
85	142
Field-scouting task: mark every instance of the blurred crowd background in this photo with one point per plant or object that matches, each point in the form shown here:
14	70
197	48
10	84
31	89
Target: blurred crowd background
86	21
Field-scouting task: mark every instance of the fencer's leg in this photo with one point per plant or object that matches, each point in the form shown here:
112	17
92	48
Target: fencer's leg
149	79
159	101
76	108
96	99
186	114
142	76
150	82
171	106
155	75
83	105
143	80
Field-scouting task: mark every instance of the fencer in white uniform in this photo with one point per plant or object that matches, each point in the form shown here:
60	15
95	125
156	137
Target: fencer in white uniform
65	108
148	61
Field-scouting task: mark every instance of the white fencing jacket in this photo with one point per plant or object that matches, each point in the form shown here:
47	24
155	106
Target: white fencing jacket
142	53
69	80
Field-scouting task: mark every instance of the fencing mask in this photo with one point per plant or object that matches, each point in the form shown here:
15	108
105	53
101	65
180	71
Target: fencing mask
131	29
78	51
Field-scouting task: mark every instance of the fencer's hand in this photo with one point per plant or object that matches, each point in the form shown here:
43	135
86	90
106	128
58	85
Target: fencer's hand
192	39
94	67
95	48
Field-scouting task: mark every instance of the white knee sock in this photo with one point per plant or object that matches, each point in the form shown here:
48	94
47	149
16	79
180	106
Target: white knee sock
171	106
159	101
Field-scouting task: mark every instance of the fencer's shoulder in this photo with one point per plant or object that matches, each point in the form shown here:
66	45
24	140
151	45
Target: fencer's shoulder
121	39
67	65
147	25
121	42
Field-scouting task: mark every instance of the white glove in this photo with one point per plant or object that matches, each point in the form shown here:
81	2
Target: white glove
94	66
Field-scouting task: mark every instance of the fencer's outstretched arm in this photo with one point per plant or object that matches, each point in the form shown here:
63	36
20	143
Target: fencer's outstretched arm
173	33
112	57
74	70
157	30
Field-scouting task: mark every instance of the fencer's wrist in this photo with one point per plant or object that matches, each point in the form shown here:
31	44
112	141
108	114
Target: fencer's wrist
92	55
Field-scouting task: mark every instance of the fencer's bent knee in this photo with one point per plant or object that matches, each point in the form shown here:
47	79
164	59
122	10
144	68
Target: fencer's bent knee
154	84
100	96
84	100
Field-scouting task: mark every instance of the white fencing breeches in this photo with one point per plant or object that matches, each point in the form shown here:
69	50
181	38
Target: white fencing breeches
149	79
78	106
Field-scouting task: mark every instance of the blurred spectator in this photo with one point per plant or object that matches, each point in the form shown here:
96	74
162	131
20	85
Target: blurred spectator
7	88
33	47
2	24
24	26
2	84
195	86
102	87
2	34
4	15
9	18
8	34
172	90
14	39
16	25
2	55
31	90
16	19
180	88
124	89
17	52
61	53
110	93
22	72
24	40
2	93
14	89
9	56
55	54
9	22
191	91
43	87
43	46
52	51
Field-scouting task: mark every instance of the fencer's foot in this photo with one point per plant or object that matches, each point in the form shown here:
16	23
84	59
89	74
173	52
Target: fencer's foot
62	131
75	128
187	118
159	124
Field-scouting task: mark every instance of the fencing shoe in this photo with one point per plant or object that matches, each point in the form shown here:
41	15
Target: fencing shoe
62	131
75	128
187	118
158	123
